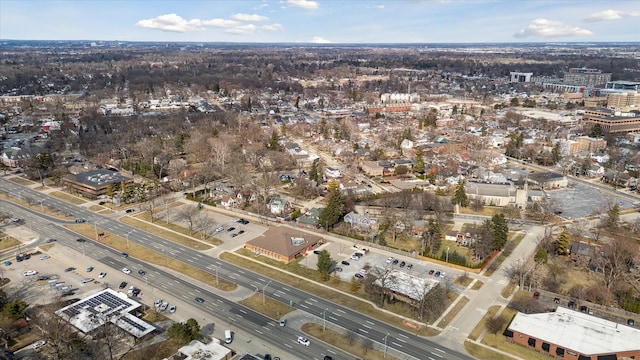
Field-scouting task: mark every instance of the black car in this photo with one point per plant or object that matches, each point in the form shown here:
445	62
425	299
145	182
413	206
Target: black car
630	322
402	264
231	229
123	285
345	263
129	211
26	256
240	232
69	269
49	241
199	299
267	356
142	272
243	221
80	240
327	357
395	262
317	252
19	258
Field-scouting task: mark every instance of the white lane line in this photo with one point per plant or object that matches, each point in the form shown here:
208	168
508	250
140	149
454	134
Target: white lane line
259	332
312	300
442	351
403	335
401	340
242	311
369	322
364	331
396	344
436	354
340	310
303	305
332	318
367	326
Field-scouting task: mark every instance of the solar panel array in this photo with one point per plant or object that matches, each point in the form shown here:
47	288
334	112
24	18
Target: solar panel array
106	302
133	323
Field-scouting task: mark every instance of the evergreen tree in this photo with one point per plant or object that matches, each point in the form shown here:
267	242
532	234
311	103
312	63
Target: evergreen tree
335	209
563	242
354	285
460	195
613	217
15	309
555	153
273	141
434	233
313	172
419	165
381	240
500	231
324	264
596	131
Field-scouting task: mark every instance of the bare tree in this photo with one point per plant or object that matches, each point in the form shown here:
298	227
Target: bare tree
189	213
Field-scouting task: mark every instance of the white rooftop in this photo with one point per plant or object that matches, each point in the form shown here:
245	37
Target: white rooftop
586	334
411	286
197	350
107	305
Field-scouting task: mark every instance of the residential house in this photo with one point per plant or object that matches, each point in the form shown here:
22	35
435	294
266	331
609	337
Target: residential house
18	157
332	173
362	222
310	218
279	206
228	201
348	186
581	252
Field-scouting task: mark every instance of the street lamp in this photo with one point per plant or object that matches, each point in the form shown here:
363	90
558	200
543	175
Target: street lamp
263	291
324	318
385	345
41	206
447	254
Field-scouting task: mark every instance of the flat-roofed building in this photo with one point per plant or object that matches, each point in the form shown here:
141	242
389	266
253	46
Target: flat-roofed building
612	122
92	184
570	334
283	243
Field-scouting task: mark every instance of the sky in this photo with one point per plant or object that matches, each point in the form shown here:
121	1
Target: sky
323	21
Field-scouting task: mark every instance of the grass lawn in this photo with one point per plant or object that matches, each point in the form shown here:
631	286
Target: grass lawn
159	350
484	210
158	230
340	340
7	242
451	314
22	181
477	285
498	341
463	281
36	206
177	228
313	288
482	353
146	254
68	197
271	308
508	290
477	331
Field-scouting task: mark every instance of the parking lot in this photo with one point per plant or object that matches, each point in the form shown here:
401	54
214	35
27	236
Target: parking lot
582	201
340	252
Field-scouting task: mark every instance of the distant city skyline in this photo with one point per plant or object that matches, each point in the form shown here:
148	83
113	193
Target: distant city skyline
323	21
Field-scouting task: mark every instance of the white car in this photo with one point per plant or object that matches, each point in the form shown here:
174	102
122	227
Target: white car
38	344
101	275
355	257
44	257
164	306
126	271
29	273
390	260
443	274
87	280
304	341
157	303
221	228
172	309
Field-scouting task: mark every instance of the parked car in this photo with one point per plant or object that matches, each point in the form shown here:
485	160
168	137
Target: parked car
243	221
44	257
437	274
129	211
390	260
90	269
358	276
87	280
402	264
409	266
126	271
29	273
240	232
536	295
80	221
345	263
38	344
158	302
355	257
102	275
164	306
123	285
172	309
231	228
220	228
317	252
69	269
631	322
443	274
7	263
395	262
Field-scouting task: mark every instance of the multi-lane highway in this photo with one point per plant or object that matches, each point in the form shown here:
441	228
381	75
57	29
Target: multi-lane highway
379	332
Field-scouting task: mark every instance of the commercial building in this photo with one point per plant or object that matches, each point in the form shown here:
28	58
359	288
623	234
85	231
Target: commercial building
520	77
570	334
284	244
612	121
587	77
92	184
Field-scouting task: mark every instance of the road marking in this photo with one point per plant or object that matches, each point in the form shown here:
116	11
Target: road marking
396	344
241	272
364	331
242	311
231	276
367	326
261	279
219	300
332	318
303	305
312	299
402	340
436	354
369	322
287	345
340	310
259	332
276	295
442	351
285	289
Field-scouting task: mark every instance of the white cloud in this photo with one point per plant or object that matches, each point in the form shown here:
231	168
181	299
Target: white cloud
634	13
319	40
176	23
242	29
261	6
379	7
551	29
304	4
272	27
249	17
605	15
171	22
